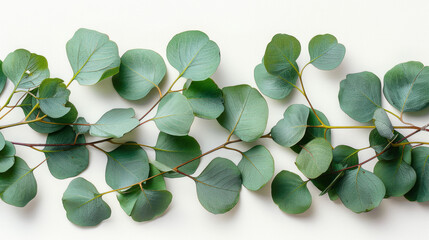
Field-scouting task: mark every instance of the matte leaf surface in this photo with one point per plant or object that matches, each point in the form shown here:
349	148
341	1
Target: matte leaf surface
420	191
53	96
380	144
273	86
291	129
114	123
281	54
256	167
205	98
325	52
315	158
398	177
7	157
81	129
382	123
3	78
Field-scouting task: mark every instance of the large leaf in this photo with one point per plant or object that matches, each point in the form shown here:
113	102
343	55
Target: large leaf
382	123
289	130
420	191
175	150
406	86
144	204
360	190
360	95
140	71
273	86
256	167
174	115
66	161
290	193
53	96
25	69
7	157
218	186
381	144
398	177
205	98
92	56
126	165
194	55
114	123
281	54
314	158
3	78
325	52
246	112
18	185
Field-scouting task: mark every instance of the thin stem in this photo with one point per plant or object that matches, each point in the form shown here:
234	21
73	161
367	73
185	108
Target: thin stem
38	165
59	145
13	107
154	105
32	110
308	100
22	123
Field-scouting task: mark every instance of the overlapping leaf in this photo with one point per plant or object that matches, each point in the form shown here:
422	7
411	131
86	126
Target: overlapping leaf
114	123
205	98
256	167
325	52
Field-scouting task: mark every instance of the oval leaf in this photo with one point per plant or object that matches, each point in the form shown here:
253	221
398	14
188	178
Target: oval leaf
205	98
246	112
289	130
281	54
7	157
314	158
83	204
140	71
218	186
360	95
420	191
53	96
276	87
382	123
256	167
325	52
3	78
398	177
114	123
92	56
290	193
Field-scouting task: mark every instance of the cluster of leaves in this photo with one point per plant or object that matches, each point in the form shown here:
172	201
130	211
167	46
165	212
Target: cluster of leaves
139	181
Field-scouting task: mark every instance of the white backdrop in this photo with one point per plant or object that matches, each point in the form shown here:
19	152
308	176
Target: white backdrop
377	36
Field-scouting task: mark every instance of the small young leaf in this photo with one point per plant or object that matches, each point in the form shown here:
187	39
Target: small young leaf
83	203
53	96
140	71
406	86
81	129
246	112
276	87
281	54
193	55
66	161
7	157
26	70
290	193
92	56
175	150
360	190
126	165
314	158
420	191
398	177
382	123
291	129
256	167
3	78
325	52
18	185
205	98
114	123
380	144
218	186
174	115
360	95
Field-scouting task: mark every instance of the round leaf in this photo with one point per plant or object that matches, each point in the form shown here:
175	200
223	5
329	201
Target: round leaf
398	177
2	141
290	193
382	123
281	54
205	98
325	52
420	191
7	157
174	115
140	71
3	78
360	95
218	186
256	167
246	112
276	87
314	158
92	56
114	123
193	55
53	96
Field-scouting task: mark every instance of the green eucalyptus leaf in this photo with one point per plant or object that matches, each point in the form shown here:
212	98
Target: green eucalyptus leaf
126	165
81	129
360	95
382	123
92	56
66	161
174	115
256	167
3	78
53	96
273	86
83	203
205	98
281	54
380	144
315	158
194	55
406	86
2	141
246	112
140	71
325	52
420	191
290	193
360	190
218	186
25	69
18	185
291	129
7	157
175	150
398	177
114	123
